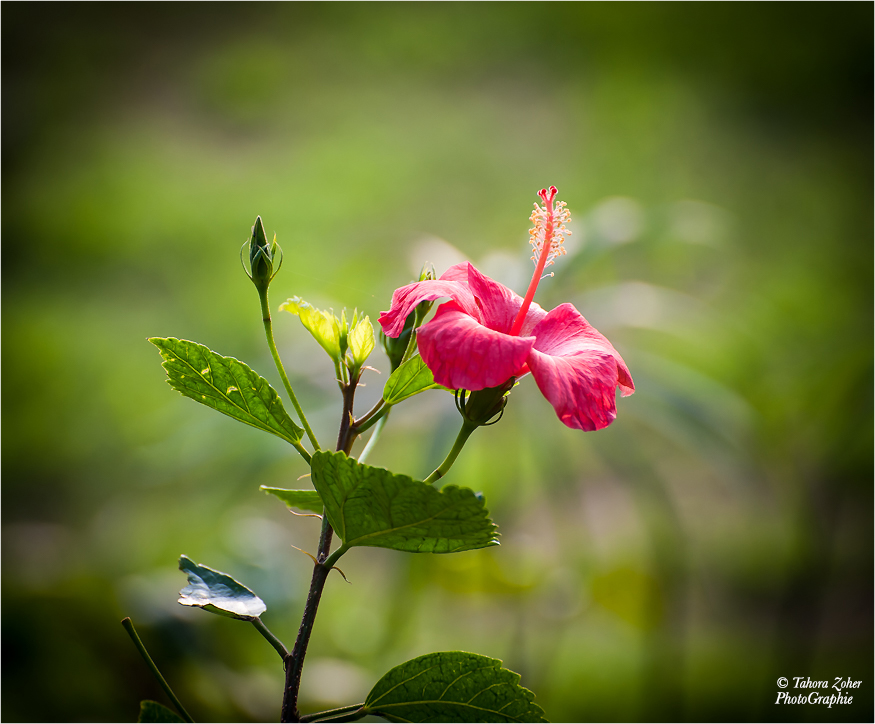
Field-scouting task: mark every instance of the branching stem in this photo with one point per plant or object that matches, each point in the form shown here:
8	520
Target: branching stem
325	561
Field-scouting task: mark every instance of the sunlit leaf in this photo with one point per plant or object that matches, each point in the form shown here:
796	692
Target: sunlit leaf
152	711
217	592
369	506
409	379
322	324
361	340
452	686
301	499
226	385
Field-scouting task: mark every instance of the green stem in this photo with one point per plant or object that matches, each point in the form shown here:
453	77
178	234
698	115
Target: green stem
132	632
353	713
268	331
461	439
374	415
411	346
334	557
375	435
273	640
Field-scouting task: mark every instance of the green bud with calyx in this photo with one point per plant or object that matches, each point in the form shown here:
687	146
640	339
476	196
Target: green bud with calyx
482	406
261	257
323	325
423	308
395	347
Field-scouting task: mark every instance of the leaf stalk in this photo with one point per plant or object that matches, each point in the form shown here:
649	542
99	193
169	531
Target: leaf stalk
268	332
132	632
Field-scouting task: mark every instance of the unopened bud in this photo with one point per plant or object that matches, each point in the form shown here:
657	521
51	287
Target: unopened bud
395	347
481	406
261	257
423	308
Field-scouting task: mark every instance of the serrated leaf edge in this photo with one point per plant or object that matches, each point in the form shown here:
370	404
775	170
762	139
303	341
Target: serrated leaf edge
258	424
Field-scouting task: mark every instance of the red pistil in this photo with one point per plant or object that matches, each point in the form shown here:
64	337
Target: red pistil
548	197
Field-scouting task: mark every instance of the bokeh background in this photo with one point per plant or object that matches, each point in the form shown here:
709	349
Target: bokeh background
717	162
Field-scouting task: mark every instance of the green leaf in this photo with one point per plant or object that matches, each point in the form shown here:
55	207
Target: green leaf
372	507
226	385
452	686
409	379
361	341
217	592
323	325
152	711
301	499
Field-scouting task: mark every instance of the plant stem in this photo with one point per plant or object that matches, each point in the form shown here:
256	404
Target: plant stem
268	331
331	712
461	439
375	435
132	632
294	662
273	640
374	415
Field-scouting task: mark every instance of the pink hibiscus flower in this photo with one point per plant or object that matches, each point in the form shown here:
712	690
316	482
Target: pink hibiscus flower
486	334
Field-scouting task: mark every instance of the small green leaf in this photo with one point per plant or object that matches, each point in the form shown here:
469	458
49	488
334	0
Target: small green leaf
301	499
323	325
217	592
226	385
409	379
452	686
361	341
372	507
152	711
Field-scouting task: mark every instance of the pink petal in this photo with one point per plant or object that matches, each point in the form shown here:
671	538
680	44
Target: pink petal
406	298
456	273
499	305
463	354
577	369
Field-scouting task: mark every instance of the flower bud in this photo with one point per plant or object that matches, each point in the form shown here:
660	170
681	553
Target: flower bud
261	257
395	347
423	308
481	406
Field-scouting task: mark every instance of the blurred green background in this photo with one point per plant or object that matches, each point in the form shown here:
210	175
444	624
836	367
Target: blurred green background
717	162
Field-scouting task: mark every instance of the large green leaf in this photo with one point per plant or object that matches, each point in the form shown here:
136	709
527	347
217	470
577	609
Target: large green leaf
217	592
227	385
301	499
152	711
452	686
409	379
372	507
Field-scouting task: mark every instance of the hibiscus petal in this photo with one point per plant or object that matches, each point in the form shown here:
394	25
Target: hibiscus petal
457	273
463	354
499	305
405	299
577	369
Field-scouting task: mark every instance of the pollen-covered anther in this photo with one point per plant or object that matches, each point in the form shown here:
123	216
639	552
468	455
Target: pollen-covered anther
549	224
